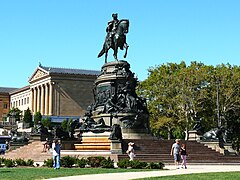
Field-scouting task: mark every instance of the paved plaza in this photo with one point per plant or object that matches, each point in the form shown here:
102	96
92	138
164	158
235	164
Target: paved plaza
171	170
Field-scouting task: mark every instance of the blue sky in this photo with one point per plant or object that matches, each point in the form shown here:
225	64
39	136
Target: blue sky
70	34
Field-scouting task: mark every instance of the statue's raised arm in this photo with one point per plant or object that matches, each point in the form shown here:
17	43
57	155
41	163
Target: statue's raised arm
116	37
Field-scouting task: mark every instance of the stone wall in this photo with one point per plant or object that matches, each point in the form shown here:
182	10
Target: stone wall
72	96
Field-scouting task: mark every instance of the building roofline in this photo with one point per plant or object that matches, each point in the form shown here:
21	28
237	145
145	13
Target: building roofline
19	90
7	89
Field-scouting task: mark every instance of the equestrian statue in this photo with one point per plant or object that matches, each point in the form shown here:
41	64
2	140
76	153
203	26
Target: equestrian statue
116	37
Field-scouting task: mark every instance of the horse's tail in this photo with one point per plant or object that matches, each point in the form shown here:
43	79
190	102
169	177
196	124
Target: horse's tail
101	53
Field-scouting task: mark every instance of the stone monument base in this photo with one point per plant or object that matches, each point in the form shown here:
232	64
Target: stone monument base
193	136
109	119
136	134
89	141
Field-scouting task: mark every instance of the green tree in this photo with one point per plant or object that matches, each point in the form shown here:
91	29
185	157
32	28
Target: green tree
194	97
37	117
15	113
64	125
27	118
178	94
226	82
161	93
46	122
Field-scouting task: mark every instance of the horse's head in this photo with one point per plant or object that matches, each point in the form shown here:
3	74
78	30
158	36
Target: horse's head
123	25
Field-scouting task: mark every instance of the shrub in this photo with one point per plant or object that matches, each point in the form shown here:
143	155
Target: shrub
95	161
107	163
29	162
20	162
9	162
82	162
161	165
137	164
153	165
48	163
68	161
123	163
1	161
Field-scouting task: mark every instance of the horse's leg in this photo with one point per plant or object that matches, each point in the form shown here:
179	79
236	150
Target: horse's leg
106	54
115	53
115	49
126	47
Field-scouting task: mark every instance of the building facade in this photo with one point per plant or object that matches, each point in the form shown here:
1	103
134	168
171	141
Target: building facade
56	92
4	102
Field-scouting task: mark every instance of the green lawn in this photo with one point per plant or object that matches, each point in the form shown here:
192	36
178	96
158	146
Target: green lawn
42	173
201	176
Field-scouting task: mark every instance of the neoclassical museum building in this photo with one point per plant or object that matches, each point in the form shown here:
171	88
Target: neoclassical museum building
55	92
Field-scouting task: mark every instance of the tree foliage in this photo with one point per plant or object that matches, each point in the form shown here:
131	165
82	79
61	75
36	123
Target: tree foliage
178	95
27	118
15	113
37	117
66	124
46	122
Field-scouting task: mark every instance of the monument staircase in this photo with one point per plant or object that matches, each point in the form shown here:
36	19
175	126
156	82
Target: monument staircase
33	151
150	150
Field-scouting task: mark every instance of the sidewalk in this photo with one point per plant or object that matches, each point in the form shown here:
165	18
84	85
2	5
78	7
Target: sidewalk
171	171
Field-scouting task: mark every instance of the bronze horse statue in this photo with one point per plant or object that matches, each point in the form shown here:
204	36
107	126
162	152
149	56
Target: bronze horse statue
118	40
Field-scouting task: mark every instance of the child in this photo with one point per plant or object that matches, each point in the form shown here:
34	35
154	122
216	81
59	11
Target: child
183	153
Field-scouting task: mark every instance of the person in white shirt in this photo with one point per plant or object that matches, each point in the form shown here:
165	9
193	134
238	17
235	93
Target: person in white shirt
130	151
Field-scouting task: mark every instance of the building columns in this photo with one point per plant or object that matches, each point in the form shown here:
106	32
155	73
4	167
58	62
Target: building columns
38	98
50	99
35	100
42	109
42	99
46	100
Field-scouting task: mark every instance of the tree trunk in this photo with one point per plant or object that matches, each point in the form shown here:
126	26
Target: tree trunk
169	133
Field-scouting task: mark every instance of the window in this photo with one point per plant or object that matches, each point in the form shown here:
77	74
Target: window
24	100
28	100
5	105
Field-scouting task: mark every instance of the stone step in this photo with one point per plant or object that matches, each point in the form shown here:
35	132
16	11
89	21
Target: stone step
31	151
159	150
92	146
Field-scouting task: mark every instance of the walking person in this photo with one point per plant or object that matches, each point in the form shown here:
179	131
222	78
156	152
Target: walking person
45	145
183	153
130	151
175	152
56	147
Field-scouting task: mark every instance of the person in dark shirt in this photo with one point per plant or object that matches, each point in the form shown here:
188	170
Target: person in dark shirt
183	153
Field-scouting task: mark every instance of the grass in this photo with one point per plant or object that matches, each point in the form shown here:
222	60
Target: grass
200	176
43	173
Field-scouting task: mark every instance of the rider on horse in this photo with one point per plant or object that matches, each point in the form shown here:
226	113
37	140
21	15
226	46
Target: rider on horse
116	37
112	28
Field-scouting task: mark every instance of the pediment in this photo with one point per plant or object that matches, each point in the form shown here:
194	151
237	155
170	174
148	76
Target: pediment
38	74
